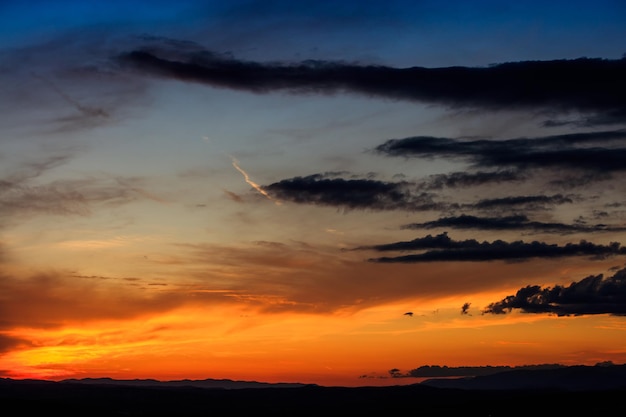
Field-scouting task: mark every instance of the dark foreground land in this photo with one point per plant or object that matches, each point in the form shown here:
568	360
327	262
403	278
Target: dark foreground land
574	391
41	398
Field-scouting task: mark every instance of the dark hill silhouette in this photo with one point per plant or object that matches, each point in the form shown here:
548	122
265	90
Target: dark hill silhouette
573	378
107	397
203	383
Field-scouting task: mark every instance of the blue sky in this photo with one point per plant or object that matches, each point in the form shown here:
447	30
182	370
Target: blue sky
398	32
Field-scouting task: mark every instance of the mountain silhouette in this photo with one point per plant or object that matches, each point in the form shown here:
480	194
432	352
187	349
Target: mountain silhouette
573	378
576	390
204	383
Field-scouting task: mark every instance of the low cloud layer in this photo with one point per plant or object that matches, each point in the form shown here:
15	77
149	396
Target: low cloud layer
443	248
592	295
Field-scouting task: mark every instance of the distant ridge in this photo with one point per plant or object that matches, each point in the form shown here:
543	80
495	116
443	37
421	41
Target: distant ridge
107	397
570	378
204	383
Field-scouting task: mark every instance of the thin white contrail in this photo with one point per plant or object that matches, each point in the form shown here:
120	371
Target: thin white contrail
252	183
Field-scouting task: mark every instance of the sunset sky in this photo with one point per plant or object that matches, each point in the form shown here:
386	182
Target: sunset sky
260	190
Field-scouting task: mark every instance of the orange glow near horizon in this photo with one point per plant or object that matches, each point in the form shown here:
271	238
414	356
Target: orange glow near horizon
195	343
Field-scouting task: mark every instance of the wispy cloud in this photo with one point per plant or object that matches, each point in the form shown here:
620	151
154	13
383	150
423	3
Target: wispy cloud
261	276
85	110
52	299
66	83
23	192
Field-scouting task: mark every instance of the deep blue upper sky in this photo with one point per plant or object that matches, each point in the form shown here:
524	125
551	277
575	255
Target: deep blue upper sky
405	33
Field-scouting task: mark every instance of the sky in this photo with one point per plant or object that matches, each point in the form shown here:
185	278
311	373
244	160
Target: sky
311	191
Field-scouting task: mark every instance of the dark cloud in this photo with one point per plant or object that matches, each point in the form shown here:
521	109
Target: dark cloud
586	85
514	222
465	307
528	201
443	248
470	179
352	192
441	241
371	194
591	151
591	295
